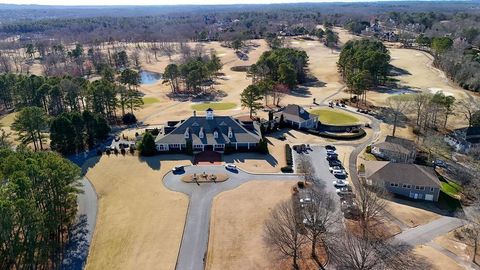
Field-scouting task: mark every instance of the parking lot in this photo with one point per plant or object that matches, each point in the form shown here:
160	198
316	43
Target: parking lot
321	169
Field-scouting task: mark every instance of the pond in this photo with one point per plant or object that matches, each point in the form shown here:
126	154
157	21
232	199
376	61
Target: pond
149	77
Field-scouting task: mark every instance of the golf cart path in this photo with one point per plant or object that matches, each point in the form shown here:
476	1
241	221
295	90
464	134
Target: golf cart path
194	245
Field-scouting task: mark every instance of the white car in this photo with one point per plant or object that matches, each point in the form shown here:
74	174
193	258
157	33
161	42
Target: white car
339	173
331	152
306	200
230	166
335	168
340	183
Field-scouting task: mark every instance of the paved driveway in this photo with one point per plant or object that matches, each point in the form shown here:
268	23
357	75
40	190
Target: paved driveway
195	236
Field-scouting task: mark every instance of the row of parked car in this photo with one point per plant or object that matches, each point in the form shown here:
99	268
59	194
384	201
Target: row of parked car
343	189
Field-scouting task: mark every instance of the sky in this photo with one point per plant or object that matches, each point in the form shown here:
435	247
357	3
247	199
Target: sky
160	2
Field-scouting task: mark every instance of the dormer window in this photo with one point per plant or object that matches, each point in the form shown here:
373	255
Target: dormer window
230	133
187	133
200	134
215	134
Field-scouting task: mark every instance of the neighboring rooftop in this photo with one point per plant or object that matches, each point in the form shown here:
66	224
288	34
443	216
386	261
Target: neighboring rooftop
296	113
379	171
397	145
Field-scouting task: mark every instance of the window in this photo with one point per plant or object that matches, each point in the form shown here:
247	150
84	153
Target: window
394	184
431	189
215	134
409	186
422	188
404	186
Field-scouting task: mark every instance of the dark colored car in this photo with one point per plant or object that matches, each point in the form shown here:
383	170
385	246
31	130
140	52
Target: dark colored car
330	147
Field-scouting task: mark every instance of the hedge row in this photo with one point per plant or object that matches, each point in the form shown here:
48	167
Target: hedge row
288	155
240	68
287	169
342	136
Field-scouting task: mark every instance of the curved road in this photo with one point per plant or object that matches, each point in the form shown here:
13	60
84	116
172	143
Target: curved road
194	244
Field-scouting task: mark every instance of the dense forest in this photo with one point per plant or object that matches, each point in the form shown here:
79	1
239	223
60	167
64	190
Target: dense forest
37	208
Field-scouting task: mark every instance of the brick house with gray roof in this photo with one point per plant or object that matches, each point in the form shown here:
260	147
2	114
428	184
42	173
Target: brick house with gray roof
209	133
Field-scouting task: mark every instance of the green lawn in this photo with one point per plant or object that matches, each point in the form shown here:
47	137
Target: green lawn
150	100
335	117
452	189
214	106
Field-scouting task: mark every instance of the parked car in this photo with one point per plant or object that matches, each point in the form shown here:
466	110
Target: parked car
339	173
343	191
177	169
331	152
231	167
331	157
330	147
334	162
332	168
306	200
340	183
439	163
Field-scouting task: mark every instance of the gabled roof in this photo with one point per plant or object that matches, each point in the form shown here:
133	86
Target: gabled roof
221	124
396	144
296	113
413	174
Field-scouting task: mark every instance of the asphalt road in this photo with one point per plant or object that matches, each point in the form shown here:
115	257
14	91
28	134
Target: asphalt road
427	232
194	244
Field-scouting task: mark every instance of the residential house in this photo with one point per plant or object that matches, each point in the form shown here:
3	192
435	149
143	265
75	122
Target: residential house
297	117
209	133
409	180
395	149
464	139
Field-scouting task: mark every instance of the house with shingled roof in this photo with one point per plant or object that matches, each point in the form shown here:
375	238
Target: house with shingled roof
209	133
410	180
297	117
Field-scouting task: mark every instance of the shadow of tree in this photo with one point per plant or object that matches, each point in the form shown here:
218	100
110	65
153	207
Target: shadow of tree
76	251
155	162
243	157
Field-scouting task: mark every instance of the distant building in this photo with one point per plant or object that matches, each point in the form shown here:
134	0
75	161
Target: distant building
409	180
297	117
464	139
396	150
209	133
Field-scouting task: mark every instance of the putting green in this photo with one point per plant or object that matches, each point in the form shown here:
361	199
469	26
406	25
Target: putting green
214	106
335	117
150	100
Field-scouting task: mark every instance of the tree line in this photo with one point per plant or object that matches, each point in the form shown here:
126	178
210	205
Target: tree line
56	95
193	75
364	64
38	207
274	74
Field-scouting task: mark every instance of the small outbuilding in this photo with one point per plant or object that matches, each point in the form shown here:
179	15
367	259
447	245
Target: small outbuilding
297	117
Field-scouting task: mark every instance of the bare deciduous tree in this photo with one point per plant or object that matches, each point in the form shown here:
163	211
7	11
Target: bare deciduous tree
282	233
468	107
370	204
398	106
321	218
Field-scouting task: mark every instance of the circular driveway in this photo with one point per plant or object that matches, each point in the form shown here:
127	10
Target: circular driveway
194	244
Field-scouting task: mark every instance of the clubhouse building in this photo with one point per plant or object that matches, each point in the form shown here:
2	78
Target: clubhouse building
209	133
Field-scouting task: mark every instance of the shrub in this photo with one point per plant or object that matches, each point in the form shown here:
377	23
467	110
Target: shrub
369	149
123	152
300	184
115	151
132	150
240	68
129	119
108	152
147	145
287	169
99	152
262	146
288	155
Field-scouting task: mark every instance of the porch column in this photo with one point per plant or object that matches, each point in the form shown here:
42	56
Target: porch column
248	146
236	146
